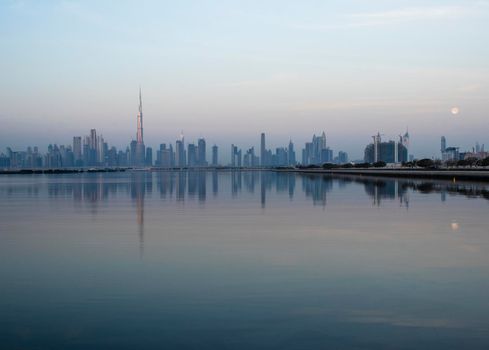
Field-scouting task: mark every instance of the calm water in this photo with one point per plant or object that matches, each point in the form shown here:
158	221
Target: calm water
242	260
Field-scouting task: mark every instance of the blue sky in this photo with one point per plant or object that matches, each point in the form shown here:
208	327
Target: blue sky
228	70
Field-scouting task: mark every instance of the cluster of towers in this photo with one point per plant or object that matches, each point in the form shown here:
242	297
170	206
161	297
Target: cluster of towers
451	153
392	151
316	151
282	156
194	155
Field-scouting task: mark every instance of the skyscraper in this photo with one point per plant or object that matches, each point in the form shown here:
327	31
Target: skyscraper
318	144
139	136
100	150
149	156
214	155
77	150
291	153
93	139
236	157
342	157
180	156
263	151
316	152
389	152
405	139
133	154
192	155
201	156
140	153
92	158
234	150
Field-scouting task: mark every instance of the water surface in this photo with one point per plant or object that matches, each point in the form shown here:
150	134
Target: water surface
242	260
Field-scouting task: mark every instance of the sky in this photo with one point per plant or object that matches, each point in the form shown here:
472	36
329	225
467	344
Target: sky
229	70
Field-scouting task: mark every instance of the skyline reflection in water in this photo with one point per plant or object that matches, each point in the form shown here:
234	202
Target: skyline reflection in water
191	185
242	259
92	189
194	185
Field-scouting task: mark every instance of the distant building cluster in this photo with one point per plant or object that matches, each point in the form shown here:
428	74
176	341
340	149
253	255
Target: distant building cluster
316	151
283	156
451	153
89	151
194	156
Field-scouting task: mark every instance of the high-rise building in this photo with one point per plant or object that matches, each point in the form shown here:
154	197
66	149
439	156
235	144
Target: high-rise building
93	139
291	154
250	159
140	153
239	158
215	160
111	158
281	157
77	150
326	155
139	135
100	150
307	154
164	156
388	152
167	158
342	157
105	148
316	152
93	150
318	145
86	151
158	154
202	161
263	151
149	156
180	155
234	150
133	152
236	157
192	155
171	156
405	139
449	153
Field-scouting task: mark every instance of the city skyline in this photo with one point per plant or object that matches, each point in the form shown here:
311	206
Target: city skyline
92	150
196	155
278	139
228	73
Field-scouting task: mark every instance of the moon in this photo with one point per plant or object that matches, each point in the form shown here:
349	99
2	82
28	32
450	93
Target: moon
455	110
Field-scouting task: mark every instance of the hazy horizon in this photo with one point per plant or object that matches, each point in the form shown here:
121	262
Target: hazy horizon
229	71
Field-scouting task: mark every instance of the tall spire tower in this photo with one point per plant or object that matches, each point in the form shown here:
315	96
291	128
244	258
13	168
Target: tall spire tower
139	136
139	156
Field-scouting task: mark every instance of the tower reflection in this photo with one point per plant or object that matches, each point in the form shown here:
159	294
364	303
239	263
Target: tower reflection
141	182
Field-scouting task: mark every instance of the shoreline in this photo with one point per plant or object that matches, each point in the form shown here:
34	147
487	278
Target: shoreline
446	174
60	171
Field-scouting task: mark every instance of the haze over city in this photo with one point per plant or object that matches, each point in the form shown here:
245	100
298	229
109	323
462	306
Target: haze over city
228	72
